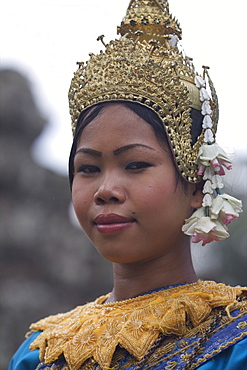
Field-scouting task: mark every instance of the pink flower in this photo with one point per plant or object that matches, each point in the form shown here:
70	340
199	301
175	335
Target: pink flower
218	168
201	170
213	155
204	238
225	208
215	163
218	232
219	164
203	228
220	171
227	219
226	164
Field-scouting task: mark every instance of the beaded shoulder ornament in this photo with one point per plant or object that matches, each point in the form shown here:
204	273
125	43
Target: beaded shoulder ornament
146	65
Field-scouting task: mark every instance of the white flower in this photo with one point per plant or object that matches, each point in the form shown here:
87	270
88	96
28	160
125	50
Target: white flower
208	136
190	223
226	208
204	229
207	189
209	173
218	232
213	154
200	82
204	94
207	200
207	122
206	108
236	203
217	182
173	40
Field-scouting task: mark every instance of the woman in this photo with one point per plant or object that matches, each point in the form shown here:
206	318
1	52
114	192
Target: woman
143	160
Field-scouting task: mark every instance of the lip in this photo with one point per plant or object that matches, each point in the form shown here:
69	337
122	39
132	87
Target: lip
111	223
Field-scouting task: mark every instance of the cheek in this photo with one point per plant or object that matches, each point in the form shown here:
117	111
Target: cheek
156	201
80	200
157	192
164	203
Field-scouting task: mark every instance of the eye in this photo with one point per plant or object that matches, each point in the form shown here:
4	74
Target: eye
137	165
88	169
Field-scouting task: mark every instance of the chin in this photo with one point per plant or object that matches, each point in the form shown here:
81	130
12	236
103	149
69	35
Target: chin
120	256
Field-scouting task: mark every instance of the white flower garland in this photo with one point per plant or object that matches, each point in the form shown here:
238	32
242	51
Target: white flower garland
209	223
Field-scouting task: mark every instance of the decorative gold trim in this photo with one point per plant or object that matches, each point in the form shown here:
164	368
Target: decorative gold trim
96	329
220	349
145	66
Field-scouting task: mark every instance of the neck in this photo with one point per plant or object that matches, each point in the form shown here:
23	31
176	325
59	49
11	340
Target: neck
131	280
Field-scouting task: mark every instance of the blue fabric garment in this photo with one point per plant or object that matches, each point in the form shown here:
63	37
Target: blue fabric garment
224	349
24	359
233	358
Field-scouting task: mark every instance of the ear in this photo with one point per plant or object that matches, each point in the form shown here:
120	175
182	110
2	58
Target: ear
197	196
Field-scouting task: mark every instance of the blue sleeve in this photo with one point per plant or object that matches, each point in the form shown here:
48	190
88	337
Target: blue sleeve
233	358
24	359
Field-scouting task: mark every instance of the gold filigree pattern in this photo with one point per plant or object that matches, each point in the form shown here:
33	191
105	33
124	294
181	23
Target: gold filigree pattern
146	66
242	325
96	329
171	365
151	18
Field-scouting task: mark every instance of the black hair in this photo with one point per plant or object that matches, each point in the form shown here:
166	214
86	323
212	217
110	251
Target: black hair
145	113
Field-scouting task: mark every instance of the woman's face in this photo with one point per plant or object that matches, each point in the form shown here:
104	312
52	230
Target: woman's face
124	190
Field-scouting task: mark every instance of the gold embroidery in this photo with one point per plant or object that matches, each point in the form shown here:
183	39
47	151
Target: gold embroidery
164	352
168	345
96	329
171	365
242	325
146	66
185	357
183	343
220	349
243	306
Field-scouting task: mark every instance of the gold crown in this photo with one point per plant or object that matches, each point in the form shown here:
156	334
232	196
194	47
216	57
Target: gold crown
145	66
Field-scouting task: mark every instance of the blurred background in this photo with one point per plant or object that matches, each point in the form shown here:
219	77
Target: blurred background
47	263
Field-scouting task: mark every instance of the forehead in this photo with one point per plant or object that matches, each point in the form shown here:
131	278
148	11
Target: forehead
116	122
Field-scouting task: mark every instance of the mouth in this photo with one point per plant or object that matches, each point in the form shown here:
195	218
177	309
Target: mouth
112	223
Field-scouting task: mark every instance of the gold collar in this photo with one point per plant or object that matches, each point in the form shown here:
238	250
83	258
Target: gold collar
96	329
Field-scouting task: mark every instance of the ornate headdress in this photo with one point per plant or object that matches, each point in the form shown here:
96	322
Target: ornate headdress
146	66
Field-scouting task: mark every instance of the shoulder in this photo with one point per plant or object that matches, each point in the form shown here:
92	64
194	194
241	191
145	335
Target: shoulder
215	339
227	339
218	343
233	358
24	359
226	347
27	357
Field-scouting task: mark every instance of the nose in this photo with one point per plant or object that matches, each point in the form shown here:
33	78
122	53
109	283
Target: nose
110	191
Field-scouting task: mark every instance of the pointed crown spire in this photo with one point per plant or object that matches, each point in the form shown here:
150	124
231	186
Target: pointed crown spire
152	19
145	65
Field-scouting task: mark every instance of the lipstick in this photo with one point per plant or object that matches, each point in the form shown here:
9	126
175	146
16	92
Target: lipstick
112	223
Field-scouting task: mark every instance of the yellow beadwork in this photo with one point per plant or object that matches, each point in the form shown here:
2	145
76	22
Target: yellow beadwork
146	66
96	329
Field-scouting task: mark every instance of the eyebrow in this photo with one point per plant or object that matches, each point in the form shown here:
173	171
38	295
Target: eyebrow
128	147
92	152
96	153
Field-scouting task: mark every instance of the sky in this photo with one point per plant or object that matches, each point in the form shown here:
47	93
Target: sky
45	38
